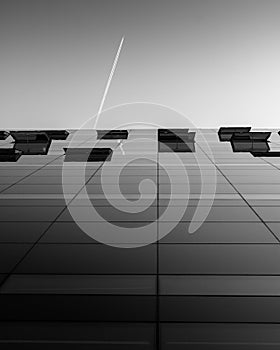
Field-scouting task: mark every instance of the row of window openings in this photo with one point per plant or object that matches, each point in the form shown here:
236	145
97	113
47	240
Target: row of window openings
242	139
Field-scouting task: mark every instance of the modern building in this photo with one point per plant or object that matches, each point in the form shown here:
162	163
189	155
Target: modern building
142	247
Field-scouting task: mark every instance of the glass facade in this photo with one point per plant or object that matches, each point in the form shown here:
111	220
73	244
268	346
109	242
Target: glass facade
160	245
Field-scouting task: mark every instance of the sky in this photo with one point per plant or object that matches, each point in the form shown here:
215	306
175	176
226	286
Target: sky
215	61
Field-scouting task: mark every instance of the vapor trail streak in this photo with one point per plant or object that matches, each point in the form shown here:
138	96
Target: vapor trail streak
108	82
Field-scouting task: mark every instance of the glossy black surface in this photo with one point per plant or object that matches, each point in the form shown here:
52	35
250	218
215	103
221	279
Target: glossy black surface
3	135
9	155
176	140
87	154
31	142
225	133
57	134
249	146
266	154
112	134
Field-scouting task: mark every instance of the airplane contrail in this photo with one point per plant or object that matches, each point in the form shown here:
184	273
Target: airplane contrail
108	82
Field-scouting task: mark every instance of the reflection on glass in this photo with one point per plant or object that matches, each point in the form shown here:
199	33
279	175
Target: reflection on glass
176	140
225	133
3	135
243	140
188	147
250	142
9	154
112	134
57	134
88	154
31	142
239	146
266	154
